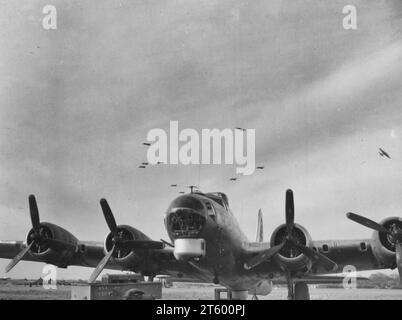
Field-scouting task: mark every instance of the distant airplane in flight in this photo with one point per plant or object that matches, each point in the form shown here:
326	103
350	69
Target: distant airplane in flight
141	167
260	167
382	153
233	179
146	144
173	185
144	163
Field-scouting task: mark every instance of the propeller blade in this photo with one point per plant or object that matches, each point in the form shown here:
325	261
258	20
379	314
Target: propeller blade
263	256
366	222
101	265
141	244
290	211
18	257
398	253
318	257
108	214
33	209
167	243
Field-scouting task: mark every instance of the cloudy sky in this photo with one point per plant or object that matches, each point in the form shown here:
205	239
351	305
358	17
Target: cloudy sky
77	102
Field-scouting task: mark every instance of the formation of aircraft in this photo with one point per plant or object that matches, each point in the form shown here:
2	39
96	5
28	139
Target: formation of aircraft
143	165
382	153
236	178
208	245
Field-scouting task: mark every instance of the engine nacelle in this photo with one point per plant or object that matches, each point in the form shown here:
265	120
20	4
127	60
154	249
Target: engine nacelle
189	248
289	256
383	245
59	257
126	257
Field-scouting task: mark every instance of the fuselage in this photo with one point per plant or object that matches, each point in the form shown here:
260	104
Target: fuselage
208	217
206	221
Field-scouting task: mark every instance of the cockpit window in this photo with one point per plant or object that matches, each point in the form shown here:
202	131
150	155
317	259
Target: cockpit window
219	197
185	224
210	209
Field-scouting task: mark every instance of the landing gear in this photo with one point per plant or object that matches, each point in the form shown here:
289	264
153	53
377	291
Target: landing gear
301	291
298	290
291	286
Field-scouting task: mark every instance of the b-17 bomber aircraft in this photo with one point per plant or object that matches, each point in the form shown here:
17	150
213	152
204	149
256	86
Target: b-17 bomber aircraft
208	245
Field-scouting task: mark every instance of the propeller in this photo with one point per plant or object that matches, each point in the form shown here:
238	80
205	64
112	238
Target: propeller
290	241
366	222
34	212
119	242
265	255
289	211
398	253
101	265
108	214
317	257
38	237
167	243
18	257
394	232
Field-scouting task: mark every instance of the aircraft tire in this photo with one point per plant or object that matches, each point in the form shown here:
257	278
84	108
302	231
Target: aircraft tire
301	291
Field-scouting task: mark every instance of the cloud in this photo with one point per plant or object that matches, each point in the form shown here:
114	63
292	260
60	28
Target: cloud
75	110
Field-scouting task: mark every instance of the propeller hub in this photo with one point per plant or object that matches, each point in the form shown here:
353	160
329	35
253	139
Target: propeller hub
34	236
395	233
392	236
116	240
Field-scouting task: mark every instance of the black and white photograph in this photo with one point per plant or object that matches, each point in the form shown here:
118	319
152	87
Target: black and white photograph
201	150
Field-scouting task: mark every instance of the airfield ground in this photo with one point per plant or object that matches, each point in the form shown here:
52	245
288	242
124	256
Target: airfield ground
186	291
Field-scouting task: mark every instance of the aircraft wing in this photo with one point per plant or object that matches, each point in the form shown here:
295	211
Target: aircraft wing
356	253
313	279
89	254
51	244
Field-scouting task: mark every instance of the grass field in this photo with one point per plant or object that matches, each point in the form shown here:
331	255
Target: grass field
187	291
21	292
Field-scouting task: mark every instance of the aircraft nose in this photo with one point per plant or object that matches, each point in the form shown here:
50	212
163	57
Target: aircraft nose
187	203
186	217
